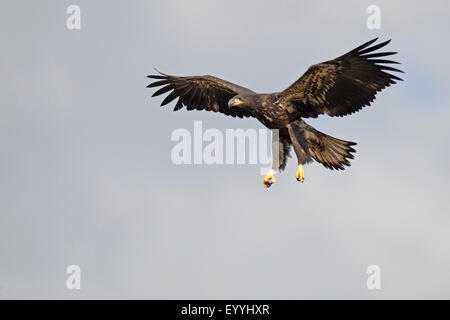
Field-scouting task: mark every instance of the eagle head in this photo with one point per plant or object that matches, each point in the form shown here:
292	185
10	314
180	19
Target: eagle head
235	102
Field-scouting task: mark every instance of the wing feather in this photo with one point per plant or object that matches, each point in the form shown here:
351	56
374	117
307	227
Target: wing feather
344	85
199	93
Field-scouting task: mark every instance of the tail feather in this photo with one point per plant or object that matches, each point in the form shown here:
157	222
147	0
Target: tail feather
331	152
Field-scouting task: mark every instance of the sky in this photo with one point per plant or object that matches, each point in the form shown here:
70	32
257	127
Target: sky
86	176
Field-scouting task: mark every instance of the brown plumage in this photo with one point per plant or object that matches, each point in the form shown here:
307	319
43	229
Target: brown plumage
337	87
341	86
200	93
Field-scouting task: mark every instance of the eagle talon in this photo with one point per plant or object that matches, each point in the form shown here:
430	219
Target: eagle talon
300	175
269	179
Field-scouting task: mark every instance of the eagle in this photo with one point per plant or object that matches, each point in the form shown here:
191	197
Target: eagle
337	88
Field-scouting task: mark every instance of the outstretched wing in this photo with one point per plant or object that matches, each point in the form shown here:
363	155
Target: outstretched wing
200	93
341	86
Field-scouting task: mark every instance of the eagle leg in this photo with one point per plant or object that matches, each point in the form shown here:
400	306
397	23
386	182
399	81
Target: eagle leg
300	146
269	179
300	175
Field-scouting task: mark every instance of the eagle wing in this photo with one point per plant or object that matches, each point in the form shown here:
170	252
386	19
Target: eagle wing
199	93
341	86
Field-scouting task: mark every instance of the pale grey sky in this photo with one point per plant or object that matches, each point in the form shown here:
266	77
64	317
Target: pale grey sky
86	176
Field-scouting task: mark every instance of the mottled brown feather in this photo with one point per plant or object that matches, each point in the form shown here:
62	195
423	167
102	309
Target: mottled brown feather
341	86
200	93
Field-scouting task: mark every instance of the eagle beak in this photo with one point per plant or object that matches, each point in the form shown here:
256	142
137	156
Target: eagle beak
235	102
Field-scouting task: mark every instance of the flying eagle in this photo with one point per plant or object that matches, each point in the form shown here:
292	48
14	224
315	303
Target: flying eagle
337	87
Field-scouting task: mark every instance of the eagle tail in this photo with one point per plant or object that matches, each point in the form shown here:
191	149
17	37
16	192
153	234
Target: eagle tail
331	152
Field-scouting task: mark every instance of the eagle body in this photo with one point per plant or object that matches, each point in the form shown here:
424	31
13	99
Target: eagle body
337	88
268	110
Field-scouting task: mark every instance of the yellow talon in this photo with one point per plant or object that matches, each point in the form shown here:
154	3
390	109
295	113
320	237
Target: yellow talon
300	173
269	179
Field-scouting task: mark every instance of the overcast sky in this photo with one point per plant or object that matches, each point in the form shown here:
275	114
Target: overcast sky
86	176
